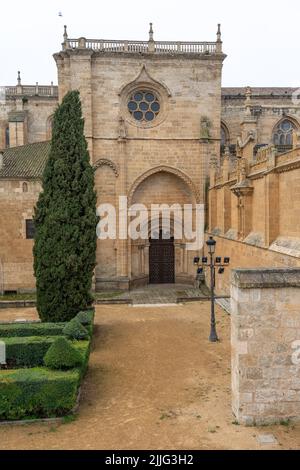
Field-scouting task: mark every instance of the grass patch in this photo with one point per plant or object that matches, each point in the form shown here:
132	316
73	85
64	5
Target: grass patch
11	297
107	295
69	419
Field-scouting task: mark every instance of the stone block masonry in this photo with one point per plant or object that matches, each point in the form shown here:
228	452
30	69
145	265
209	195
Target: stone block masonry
265	345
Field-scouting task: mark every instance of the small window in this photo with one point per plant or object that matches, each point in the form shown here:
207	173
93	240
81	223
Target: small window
30	229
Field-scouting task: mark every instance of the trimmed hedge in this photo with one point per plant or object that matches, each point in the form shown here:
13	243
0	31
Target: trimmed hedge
37	393
27	351
62	355
75	330
41	392
31	329
30	352
85	317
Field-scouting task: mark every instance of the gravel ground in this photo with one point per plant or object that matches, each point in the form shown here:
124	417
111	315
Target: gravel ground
154	382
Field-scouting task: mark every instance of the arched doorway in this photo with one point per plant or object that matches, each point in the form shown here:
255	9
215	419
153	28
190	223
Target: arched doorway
162	260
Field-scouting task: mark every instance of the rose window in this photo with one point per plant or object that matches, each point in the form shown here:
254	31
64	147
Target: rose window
144	105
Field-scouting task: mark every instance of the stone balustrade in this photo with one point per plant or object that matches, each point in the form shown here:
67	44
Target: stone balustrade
31	90
158	47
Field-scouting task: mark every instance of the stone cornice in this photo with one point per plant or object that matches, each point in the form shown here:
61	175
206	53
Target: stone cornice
145	55
266	278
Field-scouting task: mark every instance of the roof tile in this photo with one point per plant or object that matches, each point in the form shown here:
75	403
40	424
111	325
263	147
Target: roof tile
26	161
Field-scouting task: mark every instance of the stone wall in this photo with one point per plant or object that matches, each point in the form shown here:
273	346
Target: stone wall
17	203
27	112
243	255
265	345
268	107
254	209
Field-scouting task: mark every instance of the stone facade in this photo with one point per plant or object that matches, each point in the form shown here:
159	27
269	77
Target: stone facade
265	345
259	110
17	201
162	161
254	207
26	113
252	203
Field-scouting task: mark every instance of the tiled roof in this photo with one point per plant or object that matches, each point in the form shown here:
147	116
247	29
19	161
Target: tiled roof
27	161
257	91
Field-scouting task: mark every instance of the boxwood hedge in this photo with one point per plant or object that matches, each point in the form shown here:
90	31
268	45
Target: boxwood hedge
30	352
37	393
41	392
85	317
31	329
27	351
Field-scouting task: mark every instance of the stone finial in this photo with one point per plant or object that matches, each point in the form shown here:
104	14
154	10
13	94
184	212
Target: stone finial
219	34
19	77
248	94
151	33
65	33
248	100
219	40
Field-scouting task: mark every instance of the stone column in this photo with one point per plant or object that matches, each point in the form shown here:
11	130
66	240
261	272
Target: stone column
272	201
123	245
265	340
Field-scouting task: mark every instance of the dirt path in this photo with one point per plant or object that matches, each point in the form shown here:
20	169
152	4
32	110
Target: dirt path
154	382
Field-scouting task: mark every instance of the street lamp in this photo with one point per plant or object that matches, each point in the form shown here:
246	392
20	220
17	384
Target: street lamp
213	264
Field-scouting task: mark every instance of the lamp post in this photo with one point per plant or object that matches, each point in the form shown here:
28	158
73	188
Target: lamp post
214	262
211	244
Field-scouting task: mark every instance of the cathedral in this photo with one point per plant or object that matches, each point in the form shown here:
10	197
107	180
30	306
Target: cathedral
160	130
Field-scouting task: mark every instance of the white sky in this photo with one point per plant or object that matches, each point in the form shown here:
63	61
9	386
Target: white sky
261	37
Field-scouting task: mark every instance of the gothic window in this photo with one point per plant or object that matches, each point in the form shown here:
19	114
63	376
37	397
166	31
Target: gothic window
25	187
224	138
30	229
283	133
144	105
7	137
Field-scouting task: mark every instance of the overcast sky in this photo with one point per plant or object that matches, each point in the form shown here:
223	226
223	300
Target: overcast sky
261	37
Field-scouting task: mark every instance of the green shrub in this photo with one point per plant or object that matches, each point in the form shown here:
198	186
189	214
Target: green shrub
84	349
85	317
31	329
27	352
30	351
62	355
75	330
37	393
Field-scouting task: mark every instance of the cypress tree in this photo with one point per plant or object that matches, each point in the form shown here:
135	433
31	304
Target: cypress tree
65	219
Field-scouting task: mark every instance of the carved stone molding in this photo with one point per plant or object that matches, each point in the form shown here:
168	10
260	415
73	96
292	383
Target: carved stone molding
106	162
165	169
144	78
145	81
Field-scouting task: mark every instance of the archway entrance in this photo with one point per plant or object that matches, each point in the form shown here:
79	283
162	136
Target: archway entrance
161	260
